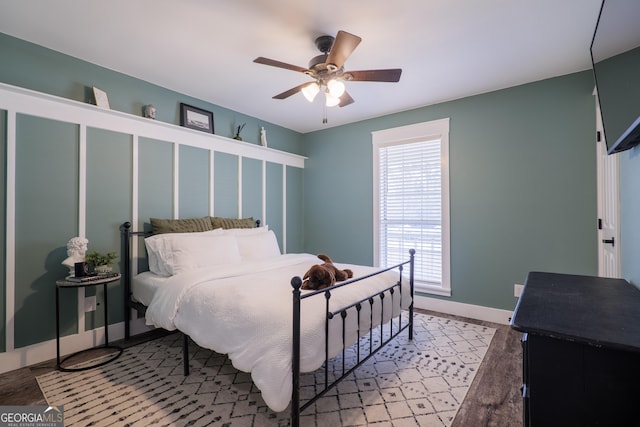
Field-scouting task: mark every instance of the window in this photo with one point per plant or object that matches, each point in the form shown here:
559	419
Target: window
411	201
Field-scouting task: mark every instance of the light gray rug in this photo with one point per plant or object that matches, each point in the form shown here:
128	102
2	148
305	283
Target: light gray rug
408	383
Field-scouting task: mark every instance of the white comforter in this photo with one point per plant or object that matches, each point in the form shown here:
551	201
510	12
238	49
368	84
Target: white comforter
245	311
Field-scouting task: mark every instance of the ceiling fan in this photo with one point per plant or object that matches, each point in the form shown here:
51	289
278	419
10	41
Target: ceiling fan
327	71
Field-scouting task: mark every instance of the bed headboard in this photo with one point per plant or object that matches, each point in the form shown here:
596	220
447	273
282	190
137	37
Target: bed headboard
158	226
186	225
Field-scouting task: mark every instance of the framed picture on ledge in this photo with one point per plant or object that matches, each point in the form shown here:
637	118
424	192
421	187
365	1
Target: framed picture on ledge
196	118
101	98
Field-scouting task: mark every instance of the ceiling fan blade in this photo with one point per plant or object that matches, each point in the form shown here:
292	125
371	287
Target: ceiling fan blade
345	100
290	92
343	46
274	63
390	75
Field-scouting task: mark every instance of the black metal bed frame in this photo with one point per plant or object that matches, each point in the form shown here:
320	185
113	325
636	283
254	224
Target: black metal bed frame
298	297
129	303
343	312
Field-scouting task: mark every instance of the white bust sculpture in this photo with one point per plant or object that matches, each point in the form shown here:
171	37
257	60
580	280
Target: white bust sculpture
150	111
76	249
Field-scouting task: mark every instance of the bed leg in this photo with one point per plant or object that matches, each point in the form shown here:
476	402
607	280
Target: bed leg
126	236
127	327
411	322
412	253
185	354
296	282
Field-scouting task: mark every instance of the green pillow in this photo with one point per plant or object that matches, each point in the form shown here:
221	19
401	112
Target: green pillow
227	223
190	225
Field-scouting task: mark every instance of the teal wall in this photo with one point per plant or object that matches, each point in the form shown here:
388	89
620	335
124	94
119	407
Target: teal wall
226	190
46	218
522	185
296	224
522	164
109	199
252	188
194	182
274	210
35	67
49	191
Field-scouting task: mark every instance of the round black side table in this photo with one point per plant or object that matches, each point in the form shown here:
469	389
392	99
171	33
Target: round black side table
94	281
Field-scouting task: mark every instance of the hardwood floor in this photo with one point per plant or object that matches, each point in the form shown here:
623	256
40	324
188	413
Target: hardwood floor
493	399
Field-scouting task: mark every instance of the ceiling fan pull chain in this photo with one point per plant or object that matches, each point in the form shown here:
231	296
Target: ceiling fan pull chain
324	117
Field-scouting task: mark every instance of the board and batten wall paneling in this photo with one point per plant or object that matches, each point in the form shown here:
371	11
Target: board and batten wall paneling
108	201
73	169
274	210
155	180
46	210
226	185
194	182
252	177
294	192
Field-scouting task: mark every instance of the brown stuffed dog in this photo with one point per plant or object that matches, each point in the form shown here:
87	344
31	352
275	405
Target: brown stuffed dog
324	275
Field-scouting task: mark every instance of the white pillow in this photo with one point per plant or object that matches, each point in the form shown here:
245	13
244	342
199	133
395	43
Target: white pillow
258	246
159	248
189	253
245	231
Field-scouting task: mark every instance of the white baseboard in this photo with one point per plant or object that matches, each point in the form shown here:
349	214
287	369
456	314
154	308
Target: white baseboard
479	312
41	352
46	350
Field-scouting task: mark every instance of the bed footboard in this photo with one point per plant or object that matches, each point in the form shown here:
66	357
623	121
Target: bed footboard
393	291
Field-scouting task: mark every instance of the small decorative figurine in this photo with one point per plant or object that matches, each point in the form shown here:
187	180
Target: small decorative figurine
150	111
263	136
76	250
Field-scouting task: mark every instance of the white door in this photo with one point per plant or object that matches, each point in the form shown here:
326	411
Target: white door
608	206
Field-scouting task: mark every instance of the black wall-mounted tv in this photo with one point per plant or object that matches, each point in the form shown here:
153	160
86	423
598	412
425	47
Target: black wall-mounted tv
615	56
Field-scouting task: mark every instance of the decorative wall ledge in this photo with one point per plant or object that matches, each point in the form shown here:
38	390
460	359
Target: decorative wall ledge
18	100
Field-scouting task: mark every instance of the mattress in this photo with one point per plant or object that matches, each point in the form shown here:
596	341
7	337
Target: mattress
145	285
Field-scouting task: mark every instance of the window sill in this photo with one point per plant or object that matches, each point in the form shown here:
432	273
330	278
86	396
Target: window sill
431	289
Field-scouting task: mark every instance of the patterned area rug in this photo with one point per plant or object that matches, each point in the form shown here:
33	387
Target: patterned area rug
407	383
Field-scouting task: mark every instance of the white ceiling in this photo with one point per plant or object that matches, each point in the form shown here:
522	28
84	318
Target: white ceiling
447	49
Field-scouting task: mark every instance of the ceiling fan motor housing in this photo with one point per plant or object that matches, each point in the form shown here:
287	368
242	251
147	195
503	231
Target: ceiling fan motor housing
319	68
324	43
318	64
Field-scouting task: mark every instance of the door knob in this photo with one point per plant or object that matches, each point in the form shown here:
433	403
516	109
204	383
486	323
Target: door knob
611	241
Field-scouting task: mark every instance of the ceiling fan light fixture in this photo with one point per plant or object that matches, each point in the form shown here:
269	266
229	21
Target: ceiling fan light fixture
310	91
336	87
331	100
328	73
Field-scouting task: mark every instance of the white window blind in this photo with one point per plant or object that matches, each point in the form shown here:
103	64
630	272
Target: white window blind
410	213
411	181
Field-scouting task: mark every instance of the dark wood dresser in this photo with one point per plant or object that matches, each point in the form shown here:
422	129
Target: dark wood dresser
581	350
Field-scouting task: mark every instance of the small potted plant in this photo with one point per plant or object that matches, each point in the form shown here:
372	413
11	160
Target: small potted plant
238	130
101	262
